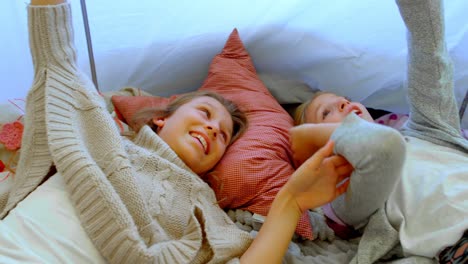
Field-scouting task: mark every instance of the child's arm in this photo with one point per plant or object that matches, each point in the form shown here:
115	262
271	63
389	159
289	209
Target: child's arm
306	139
433	109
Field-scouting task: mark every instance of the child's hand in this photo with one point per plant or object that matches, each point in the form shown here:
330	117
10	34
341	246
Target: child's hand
320	179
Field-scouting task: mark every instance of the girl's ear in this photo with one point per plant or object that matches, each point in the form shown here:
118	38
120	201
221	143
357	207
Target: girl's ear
159	122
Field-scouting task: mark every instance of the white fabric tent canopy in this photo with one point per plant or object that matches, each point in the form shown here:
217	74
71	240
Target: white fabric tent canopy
356	48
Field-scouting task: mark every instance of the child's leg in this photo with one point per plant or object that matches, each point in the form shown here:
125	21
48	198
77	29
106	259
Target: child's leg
377	154
434	115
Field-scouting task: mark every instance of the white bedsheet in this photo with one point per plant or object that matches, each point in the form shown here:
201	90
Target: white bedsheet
44	228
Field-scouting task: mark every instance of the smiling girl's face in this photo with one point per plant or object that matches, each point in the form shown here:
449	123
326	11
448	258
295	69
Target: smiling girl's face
198	131
331	108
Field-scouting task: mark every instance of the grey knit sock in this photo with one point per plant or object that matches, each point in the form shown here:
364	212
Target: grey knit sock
377	154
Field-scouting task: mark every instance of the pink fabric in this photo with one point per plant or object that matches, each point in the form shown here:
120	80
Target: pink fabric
393	120
330	213
11	132
398	120
11	135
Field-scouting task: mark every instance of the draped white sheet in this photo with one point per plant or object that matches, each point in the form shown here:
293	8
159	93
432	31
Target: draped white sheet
16	70
356	48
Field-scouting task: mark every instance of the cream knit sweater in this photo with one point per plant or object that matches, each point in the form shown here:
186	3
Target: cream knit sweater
137	201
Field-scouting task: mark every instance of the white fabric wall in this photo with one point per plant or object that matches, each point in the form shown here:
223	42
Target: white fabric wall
16	72
355	48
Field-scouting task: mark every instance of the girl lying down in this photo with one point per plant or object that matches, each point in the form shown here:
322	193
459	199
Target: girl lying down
140	200
420	182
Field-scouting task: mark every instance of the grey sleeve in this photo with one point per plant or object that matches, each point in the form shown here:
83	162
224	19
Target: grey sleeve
377	154
433	109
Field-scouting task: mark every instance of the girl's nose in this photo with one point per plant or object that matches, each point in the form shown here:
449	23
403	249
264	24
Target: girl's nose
342	104
211	130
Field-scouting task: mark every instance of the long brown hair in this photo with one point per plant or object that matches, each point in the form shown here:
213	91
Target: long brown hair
145	116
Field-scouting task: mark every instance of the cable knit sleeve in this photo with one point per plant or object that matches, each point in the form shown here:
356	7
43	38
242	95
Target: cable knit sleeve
51	48
82	140
48	49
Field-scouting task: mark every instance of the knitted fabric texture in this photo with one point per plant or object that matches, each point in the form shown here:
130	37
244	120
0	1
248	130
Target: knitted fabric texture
136	199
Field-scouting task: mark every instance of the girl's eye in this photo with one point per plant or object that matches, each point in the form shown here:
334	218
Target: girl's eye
325	113
224	135
207	112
